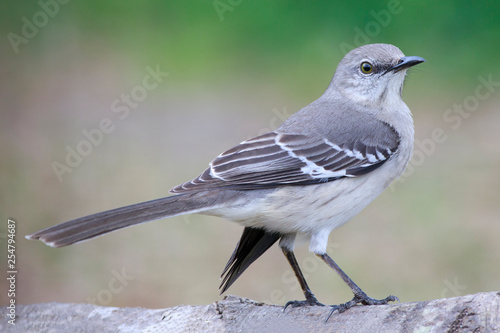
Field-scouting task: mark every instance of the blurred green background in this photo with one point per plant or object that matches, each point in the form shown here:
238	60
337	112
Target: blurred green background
237	69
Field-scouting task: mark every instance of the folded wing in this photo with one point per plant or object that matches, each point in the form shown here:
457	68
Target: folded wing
276	159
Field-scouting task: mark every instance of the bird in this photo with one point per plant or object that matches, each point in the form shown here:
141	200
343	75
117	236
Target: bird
311	175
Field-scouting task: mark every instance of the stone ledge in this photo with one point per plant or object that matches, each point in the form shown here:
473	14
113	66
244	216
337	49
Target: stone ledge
472	313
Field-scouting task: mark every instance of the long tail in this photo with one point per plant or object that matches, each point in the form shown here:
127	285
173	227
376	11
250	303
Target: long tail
101	223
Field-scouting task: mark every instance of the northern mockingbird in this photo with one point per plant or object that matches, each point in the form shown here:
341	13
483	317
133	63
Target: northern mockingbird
316	171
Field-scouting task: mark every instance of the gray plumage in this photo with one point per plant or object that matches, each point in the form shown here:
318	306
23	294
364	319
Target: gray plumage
311	175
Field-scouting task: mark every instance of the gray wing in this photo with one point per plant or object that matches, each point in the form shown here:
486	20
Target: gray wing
276	159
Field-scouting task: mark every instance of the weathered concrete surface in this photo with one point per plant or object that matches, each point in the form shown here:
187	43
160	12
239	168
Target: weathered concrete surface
471	313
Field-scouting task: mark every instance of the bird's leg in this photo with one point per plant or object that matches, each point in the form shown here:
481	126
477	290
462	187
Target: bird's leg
359	295
310	298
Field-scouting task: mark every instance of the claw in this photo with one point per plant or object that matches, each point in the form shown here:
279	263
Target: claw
308	302
362	299
365	300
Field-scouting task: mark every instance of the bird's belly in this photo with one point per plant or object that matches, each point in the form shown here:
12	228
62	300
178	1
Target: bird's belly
305	209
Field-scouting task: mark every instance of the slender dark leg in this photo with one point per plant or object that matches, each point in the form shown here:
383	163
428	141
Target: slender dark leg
359	295
310	298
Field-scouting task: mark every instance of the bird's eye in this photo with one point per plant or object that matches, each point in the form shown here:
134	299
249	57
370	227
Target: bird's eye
366	67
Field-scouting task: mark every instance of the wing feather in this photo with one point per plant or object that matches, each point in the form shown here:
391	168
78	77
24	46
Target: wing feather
276	159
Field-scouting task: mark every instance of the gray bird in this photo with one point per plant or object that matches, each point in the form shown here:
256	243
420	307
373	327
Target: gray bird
315	172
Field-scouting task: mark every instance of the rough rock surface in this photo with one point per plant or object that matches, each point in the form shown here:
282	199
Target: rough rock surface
471	313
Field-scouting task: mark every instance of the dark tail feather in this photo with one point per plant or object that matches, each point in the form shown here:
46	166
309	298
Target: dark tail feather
97	224
253	243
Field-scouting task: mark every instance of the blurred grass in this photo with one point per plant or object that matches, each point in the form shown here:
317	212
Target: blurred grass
226	81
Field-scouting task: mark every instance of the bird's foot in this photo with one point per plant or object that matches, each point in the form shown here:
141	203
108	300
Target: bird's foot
310	301
360	298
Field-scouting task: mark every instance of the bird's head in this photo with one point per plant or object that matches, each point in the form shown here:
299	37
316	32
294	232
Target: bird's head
372	74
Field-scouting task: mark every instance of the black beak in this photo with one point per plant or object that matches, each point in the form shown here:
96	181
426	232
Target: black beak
407	62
